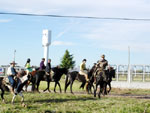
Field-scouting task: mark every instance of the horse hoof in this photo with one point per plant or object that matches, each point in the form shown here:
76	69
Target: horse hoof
23	105
4	101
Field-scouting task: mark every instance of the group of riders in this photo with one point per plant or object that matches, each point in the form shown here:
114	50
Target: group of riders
99	67
13	75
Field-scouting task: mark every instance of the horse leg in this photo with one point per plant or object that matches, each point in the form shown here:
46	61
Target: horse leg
22	100
90	88
26	86
105	88
38	83
55	87
71	86
14	96
66	82
48	84
95	90
66	86
82	85
99	93
33	87
109	87
2	95
59	87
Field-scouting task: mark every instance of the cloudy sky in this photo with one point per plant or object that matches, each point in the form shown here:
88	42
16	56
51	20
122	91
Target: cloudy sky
84	38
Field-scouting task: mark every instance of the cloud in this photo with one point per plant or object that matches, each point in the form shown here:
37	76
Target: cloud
119	35
5	20
63	32
68	27
61	43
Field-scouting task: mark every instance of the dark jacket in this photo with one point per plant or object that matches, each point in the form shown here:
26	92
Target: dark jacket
42	65
48	67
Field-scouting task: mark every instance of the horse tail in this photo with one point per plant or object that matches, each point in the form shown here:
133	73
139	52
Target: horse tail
66	79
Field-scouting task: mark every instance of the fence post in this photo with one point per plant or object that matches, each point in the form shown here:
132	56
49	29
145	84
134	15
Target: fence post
143	73
129	74
117	79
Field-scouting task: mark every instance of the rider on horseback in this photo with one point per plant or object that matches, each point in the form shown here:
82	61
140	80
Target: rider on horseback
28	67
83	70
42	65
11	72
48	68
100	67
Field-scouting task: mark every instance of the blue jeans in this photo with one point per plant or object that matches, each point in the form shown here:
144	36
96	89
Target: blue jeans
11	80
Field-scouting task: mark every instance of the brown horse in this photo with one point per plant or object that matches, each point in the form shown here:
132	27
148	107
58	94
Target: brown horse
32	74
72	76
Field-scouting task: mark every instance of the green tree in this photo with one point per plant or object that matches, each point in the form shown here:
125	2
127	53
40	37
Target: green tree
67	61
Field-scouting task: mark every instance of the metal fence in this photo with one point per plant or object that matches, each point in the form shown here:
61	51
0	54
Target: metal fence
132	74
3	70
139	73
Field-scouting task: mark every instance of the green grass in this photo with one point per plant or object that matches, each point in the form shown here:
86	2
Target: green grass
77	103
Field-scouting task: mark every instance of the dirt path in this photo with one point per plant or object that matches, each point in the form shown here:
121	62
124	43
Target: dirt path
109	95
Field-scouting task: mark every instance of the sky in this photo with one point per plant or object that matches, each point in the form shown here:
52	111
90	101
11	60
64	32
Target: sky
84	38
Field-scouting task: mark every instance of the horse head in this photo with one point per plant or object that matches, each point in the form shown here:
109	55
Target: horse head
112	72
65	71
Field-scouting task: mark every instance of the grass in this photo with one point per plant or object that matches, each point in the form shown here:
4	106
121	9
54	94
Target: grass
77	103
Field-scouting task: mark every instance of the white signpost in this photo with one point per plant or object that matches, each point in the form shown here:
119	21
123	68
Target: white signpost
46	41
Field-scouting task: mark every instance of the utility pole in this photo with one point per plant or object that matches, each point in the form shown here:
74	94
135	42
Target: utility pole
14	55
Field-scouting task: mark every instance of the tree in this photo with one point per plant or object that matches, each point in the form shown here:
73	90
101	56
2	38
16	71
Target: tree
67	61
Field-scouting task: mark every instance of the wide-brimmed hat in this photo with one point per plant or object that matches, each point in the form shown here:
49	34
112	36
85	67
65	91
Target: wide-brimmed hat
13	62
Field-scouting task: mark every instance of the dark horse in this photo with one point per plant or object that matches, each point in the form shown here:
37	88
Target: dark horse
72	76
110	73
103	83
58	72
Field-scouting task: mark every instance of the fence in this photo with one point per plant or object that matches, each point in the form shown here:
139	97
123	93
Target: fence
140	73
3	70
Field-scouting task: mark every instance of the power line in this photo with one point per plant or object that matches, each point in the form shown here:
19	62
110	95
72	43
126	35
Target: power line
81	17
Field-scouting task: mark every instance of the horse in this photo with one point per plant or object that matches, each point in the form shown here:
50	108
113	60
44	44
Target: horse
74	75
58	72
20	82
103	83
110	73
33	80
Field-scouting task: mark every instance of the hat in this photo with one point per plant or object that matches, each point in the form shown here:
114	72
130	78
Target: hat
84	59
103	56
28	60
13	62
